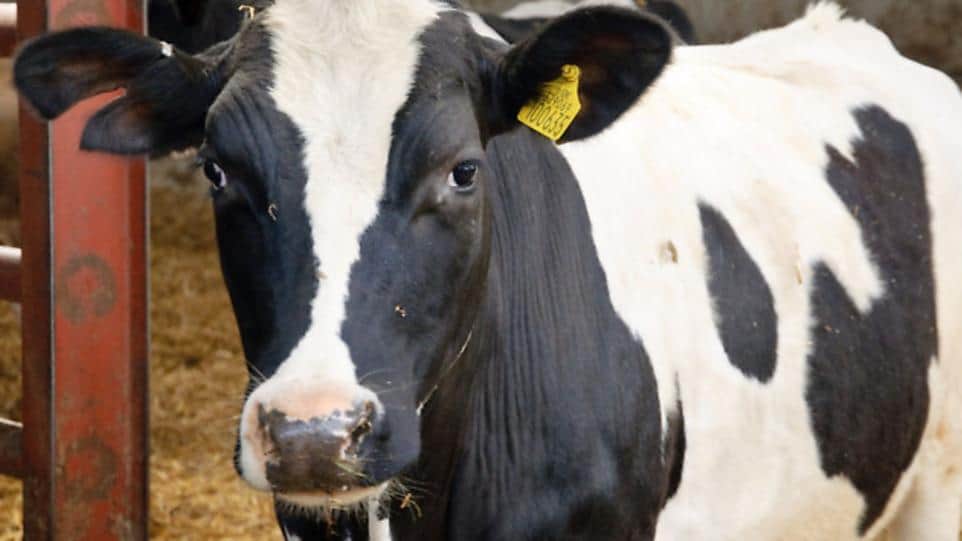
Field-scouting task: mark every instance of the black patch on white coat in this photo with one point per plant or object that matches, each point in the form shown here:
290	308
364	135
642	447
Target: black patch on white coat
743	304
675	446
868	372
195	25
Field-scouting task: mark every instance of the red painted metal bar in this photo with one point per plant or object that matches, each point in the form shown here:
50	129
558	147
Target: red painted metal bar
9	273
10	443
8	28
84	314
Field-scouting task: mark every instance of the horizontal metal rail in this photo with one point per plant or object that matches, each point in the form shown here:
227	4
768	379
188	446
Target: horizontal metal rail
11	436
8	29
9	274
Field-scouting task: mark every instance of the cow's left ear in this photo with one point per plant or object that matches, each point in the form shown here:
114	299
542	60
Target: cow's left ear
167	96
619	53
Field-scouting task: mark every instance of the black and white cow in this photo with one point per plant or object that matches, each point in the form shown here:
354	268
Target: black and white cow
725	309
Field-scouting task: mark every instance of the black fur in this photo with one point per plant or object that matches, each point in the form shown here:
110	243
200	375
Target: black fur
339	527
548	428
677	444
868	372
743	303
55	71
196	25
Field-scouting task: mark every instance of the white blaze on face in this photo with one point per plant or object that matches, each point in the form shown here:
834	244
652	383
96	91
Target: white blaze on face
343	69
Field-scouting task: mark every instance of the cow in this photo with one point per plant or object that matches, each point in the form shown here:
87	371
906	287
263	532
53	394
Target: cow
722	305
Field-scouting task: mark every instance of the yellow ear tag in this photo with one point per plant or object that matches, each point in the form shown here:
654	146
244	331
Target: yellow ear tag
553	111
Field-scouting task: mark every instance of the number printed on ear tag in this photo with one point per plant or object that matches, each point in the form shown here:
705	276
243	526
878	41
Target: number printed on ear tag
553	111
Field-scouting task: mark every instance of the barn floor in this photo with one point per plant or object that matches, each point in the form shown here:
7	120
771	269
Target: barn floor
197	381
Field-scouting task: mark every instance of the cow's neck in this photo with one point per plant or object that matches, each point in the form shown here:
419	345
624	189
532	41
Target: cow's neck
552	395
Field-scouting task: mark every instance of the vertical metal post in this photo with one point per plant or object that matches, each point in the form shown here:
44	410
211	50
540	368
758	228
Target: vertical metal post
84	219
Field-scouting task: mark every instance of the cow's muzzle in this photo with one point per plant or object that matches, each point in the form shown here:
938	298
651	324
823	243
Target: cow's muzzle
307	442
324	453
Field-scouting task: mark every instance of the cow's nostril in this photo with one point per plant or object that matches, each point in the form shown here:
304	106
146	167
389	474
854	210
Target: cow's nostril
365	423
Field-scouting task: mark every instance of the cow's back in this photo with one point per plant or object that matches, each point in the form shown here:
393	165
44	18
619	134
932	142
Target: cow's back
780	222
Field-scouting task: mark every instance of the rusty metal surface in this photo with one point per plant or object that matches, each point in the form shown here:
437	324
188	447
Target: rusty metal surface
9	273
85	315
10	444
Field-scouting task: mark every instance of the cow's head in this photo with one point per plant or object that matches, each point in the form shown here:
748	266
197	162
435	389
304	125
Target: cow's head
345	141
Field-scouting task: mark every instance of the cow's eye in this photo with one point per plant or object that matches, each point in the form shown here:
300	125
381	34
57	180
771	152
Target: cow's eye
215	174
463	176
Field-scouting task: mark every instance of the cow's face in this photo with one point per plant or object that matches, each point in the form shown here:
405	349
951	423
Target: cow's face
345	142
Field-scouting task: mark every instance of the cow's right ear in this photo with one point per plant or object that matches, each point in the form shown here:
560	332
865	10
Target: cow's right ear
167	92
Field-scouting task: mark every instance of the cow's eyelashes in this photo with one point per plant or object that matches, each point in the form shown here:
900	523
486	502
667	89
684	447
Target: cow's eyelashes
464	176
215	174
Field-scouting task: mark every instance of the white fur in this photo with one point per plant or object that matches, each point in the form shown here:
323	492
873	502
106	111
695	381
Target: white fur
378	529
743	128
344	105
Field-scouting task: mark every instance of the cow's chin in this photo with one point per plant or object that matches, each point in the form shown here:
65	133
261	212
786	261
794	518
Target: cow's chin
351	499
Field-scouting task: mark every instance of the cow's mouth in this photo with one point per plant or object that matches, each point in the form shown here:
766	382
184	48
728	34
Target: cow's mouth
344	499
